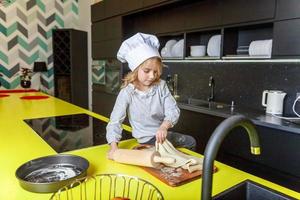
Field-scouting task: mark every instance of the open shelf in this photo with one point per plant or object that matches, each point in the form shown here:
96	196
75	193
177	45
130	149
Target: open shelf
200	38
236	40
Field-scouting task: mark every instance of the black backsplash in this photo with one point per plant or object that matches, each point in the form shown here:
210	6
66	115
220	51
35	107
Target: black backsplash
241	82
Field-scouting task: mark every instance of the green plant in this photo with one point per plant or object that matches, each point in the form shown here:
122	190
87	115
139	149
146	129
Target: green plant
25	74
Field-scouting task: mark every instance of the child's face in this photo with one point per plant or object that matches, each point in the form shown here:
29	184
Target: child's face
149	72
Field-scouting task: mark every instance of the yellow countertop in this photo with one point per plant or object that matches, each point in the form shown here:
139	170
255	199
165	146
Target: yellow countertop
19	144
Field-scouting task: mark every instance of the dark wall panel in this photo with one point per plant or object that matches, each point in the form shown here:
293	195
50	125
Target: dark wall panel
240	82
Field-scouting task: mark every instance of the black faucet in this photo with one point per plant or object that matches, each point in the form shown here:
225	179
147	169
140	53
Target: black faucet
170	83
214	144
211	84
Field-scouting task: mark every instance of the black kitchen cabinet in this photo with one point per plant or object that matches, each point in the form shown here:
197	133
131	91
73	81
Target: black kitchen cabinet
159	21
277	161
171	20
70	66
112	8
287	9
107	29
130	5
198	125
106	38
144	23
103	102
97	11
147	3
98	31
105	9
238	11
286	38
106	49
202	14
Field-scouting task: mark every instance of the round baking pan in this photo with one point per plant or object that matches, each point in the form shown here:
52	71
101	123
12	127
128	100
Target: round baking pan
50	173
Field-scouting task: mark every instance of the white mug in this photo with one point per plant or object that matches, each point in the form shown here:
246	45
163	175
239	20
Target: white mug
273	101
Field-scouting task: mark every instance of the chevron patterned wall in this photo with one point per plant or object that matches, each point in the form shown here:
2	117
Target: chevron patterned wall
26	36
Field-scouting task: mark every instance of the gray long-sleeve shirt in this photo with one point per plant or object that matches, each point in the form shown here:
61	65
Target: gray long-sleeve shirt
146	112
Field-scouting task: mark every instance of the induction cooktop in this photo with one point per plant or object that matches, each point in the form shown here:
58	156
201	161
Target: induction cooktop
71	132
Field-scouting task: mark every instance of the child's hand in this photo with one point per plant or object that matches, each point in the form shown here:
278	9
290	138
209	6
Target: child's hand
161	134
113	148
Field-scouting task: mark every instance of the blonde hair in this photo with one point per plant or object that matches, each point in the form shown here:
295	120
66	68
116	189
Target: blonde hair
131	77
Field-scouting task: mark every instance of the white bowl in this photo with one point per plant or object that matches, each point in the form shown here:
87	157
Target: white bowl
198	50
177	50
214	46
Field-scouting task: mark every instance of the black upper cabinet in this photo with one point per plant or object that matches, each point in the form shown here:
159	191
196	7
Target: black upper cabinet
238	11
202	14
106	49
105	9
107	29
171	20
97	11
98	31
286	38
130	5
112	8
159	21
106	37
147	3
287	9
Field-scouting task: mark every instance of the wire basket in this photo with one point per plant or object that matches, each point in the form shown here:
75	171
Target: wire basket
108	187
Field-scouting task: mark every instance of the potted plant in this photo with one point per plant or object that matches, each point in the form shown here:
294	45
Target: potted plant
25	77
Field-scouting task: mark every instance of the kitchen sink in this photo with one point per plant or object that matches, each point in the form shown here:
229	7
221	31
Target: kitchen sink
249	190
203	103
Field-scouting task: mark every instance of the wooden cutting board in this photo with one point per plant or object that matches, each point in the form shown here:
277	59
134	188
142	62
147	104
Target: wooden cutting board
169	175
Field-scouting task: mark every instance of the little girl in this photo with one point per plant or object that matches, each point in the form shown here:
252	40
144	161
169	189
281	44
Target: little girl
146	99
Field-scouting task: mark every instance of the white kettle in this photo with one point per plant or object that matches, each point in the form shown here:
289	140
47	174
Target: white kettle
273	100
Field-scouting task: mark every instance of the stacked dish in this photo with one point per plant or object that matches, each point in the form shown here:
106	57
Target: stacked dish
261	48
214	46
173	49
166	50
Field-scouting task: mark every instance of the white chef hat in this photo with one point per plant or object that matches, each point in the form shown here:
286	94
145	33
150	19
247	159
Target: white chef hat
138	48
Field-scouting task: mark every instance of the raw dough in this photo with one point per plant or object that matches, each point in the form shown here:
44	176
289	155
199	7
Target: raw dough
191	163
